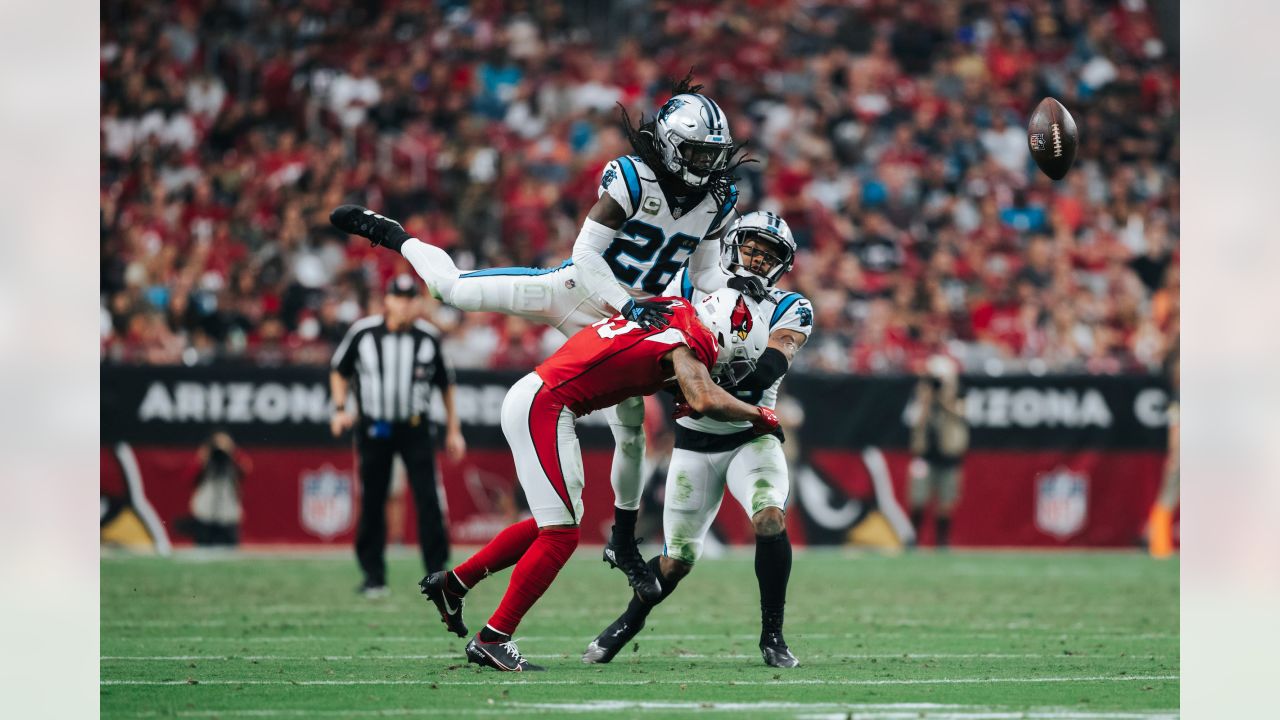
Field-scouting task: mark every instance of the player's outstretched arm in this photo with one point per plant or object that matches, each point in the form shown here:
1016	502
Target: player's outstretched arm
704	396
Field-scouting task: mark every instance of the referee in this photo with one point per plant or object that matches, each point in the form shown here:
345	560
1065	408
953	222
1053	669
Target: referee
393	361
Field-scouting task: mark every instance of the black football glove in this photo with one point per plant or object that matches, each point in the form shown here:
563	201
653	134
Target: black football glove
751	286
647	313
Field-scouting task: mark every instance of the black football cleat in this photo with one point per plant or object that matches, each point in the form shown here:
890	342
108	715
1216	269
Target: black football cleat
449	604
775	651
503	656
380	230
628	559
609	643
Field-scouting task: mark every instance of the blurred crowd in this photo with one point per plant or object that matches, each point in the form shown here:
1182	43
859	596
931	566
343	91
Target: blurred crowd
889	133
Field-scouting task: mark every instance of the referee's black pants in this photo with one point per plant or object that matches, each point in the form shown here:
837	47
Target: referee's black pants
416	446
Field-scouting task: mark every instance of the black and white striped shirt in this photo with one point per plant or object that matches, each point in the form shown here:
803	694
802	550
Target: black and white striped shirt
393	372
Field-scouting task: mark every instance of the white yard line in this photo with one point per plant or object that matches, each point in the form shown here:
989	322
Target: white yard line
433	635
868	711
656	656
861	710
746	683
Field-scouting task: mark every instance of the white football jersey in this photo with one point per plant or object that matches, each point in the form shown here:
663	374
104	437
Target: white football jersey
660	235
793	311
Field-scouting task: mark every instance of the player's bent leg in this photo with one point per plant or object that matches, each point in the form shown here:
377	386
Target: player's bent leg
758	479
695	488
448	588
614	638
551	296
626	421
544	442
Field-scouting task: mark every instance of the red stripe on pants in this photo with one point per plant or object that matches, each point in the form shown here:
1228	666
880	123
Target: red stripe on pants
544	429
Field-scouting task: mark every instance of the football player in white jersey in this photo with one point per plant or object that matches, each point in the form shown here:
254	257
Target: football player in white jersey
658	212
709	454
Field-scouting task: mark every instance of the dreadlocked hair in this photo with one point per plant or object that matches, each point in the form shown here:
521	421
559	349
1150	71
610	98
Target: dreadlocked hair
644	143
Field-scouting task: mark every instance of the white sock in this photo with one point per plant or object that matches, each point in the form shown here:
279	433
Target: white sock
433	265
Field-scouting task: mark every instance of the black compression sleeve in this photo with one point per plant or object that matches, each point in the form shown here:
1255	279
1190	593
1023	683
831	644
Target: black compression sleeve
771	366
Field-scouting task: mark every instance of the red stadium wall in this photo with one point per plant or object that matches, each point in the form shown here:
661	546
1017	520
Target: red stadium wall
997	505
1019	489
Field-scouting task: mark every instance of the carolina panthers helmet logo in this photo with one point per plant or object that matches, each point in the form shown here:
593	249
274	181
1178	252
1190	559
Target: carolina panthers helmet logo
740	320
672	105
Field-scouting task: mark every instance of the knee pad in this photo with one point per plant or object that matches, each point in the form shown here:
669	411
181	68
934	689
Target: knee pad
628	440
463	295
628	413
769	524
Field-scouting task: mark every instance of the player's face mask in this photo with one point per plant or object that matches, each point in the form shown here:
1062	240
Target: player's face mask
753	250
702	159
759	254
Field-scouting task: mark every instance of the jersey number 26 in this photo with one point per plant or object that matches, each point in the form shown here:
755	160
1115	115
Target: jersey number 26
672	253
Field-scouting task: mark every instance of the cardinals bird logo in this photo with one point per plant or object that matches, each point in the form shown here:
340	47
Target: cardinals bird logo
740	320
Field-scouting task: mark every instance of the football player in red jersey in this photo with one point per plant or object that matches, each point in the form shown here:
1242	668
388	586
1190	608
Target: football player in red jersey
603	364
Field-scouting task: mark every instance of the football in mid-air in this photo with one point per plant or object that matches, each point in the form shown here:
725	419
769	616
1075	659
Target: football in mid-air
1052	137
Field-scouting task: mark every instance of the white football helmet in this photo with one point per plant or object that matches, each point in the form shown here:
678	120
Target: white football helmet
693	138
741	331
763	227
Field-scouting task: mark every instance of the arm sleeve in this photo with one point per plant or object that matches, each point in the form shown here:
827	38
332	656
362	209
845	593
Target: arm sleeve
771	366
344	358
593	271
704	269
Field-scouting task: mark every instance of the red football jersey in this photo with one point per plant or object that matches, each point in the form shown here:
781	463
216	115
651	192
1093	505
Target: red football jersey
612	360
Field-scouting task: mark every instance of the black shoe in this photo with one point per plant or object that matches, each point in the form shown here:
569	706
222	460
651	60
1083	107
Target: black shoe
609	643
775	651
449	604
362	221
627	558
504	656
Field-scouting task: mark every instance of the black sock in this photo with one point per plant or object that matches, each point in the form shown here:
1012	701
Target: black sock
773	571
624	525
917	519
489	635
943	524
453	585
396	239
638	609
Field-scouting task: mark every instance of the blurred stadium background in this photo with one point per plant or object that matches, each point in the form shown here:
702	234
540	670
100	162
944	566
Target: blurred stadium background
889	134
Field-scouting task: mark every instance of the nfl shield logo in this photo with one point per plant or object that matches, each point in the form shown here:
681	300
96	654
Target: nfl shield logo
1062	502
327	504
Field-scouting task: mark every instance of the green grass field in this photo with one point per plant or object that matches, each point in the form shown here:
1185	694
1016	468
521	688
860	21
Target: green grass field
958	635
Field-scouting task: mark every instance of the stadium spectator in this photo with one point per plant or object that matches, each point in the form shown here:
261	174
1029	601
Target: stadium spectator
886	131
